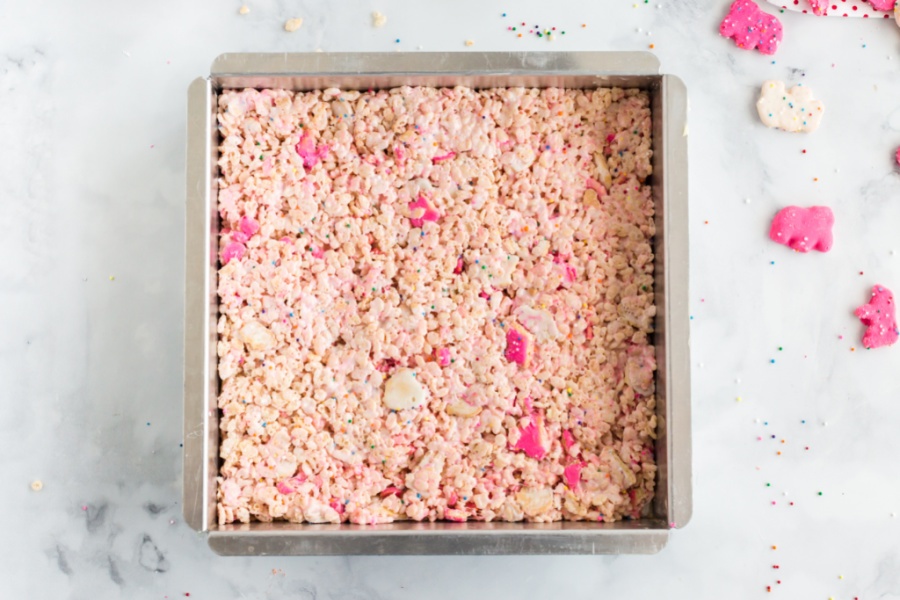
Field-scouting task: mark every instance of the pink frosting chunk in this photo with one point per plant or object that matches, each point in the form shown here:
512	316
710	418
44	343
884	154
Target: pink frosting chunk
443	157
443	356
289	486
391	490
233	250
803	229
420	211
518	345
598	187
568	439
751	28
572	474
309	152
248	226
879	317
531	438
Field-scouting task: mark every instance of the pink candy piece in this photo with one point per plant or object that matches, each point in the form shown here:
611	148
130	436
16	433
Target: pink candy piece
233	250
803	229
879	317
318	253
459	266
443	157
420	211
248	226
518	345
897	156
289	486
820	7
309	152
751	28
443	356
568	439
530	441
572	474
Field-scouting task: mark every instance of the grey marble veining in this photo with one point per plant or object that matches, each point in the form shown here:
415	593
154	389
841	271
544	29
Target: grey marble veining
92	105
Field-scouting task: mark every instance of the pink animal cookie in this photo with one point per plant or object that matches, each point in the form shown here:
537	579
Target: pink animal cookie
533	438
879	317
884	5
309	151
519	345
751	28
803	229
819	7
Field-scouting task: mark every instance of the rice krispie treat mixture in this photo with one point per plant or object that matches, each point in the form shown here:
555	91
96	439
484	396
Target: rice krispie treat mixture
435	304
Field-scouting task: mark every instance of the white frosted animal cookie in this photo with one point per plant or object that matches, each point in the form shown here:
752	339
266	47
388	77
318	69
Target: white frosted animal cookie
792	110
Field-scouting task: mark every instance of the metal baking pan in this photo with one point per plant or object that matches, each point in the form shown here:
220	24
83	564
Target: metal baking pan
671	506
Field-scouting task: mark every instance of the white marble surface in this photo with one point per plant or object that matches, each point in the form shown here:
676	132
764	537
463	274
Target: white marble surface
92	115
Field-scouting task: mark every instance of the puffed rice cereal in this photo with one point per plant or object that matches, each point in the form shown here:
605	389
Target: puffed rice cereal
435	304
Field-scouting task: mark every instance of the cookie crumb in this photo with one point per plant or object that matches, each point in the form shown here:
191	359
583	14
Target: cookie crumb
470	42
378	19
244	10
292	25
37	485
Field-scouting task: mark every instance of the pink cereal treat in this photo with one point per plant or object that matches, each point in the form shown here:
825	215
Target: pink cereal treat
751	28
880	318
803	229
435	304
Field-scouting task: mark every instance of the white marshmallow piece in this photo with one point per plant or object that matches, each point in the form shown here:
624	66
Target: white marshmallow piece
403	391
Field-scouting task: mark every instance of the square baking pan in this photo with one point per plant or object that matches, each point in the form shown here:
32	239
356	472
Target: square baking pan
671	505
